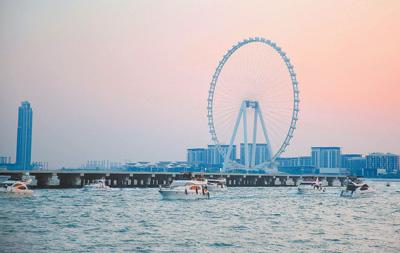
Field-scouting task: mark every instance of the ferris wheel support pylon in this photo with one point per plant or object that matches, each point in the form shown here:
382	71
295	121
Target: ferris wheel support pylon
249	158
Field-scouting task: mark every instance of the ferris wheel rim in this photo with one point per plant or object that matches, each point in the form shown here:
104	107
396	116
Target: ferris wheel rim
213	85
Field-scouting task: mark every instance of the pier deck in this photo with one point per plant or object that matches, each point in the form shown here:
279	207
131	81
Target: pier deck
122	179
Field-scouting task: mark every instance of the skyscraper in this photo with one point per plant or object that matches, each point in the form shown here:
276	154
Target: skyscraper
24	136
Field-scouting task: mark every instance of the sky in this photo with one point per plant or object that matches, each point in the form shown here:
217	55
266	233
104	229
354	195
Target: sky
129	80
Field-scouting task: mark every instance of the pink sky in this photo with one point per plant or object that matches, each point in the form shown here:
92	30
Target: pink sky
128	80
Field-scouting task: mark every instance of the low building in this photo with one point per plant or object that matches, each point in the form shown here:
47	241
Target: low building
4	160
294	161
296	165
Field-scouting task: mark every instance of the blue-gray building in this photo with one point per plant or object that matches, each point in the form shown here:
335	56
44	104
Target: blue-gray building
215	159
196	156
355	164
260	156
294	161
24	136
209	157
296	165
382	164
326	157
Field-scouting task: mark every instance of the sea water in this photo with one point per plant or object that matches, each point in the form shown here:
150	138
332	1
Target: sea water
275	219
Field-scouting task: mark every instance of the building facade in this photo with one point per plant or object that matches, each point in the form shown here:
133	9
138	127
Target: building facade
294	161
24	136
5	160
382	164
215	159
196	156
326	157
209	157
355	164
260	156
296	165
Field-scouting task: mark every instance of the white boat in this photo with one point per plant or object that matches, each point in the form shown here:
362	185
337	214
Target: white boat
15	187
216	185
98	184
185	189
310	186
358	189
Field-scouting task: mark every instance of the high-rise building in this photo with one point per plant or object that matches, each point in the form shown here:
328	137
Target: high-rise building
380	163
24	136
325	157
214	158
260	156
196	156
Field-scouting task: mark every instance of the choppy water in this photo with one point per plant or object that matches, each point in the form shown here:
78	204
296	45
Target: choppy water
241	220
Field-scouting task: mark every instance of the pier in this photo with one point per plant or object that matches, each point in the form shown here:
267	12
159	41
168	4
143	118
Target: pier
126	179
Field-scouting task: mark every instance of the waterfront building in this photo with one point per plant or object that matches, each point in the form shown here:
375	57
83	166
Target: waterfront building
208	157
294	161
101	165
357	166
287	161
215	159
327	159
381	164
24	136
260	156
5	160
40	165
354	164
346	158
296	165
196	156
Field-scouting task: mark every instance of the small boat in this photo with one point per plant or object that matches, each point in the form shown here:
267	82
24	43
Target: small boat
98	184
216	185
310	186
15	187
185	189
356	189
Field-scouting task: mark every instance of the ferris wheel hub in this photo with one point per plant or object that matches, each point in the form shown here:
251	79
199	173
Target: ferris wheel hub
251	103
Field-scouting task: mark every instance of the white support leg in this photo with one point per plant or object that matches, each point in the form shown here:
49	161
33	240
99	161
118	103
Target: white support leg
228	155
269	151
246	146
254	146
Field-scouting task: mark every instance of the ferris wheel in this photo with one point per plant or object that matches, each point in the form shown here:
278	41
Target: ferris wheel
254	82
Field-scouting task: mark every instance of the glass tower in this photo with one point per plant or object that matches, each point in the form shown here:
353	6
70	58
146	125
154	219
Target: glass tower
24	136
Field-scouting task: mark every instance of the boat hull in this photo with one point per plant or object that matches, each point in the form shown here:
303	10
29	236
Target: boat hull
310	190
96	187
216	188
17	191
180	195
357	193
